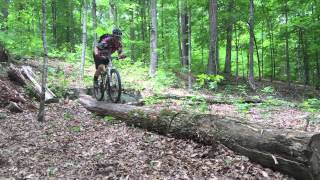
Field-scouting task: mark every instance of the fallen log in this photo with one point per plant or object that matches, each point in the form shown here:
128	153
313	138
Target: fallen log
291	152
26	77
208	99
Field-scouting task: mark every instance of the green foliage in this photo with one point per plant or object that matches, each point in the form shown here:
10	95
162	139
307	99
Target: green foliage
268	90
57	82
67	116
311	105
109	119
76	129
152	100
209	81
28	89
243	107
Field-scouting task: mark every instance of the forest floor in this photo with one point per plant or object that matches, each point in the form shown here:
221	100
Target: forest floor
74	143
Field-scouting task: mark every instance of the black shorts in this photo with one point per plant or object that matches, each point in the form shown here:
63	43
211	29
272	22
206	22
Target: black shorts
99	61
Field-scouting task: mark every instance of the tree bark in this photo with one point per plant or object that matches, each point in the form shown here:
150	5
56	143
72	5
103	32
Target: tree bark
132	36
54	21
153	39
94	21
189	51
258	57
237	54
41	114
287	46
212	63
227	67
184	33
291	152
84	39
179	31
113	13
26	77
251	27
5	13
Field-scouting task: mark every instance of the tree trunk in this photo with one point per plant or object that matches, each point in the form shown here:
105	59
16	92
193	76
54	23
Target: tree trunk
251	27
189	50
291	152
227	67
287	46
26	77
113	13
41	114
84	39
258	57
305	58
262	52
212	63
4	15
179	31
153	38
94	22
237	54
132	36
54	21
184	33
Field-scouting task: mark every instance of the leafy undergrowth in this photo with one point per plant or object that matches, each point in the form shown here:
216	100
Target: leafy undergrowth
73	143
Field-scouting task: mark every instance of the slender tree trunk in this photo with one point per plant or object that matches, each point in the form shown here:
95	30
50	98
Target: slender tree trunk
54	21
41	114
287	46
143	29
189	50
4	15
94	21
227	67
132	36
153	38
184	32
258	57
271	51
179	31
262	52
305	59
251	26
113	13
237	53
162	32
84	39
212	63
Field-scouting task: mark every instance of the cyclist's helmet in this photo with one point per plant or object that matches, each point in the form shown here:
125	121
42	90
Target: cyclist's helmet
116	32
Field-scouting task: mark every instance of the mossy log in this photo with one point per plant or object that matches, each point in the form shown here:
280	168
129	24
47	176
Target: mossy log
291	152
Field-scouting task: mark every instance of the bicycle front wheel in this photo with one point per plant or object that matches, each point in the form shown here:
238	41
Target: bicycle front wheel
98	89
114	86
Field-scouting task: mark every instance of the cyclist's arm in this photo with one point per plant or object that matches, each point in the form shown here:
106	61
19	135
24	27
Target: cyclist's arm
121	55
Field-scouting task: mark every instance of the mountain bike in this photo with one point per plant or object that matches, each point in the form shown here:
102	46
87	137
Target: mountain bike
109	81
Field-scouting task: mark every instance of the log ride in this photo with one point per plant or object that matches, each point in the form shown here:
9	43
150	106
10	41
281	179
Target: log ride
26	77
291	152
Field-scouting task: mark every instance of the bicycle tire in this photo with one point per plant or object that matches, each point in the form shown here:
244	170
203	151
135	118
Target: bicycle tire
116	86
98	92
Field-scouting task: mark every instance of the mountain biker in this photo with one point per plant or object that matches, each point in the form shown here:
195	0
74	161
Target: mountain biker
106	46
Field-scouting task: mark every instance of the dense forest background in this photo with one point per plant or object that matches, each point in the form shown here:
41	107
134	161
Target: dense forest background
211	36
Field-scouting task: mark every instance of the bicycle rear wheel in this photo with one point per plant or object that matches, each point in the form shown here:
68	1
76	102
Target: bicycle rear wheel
114	86
98	89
